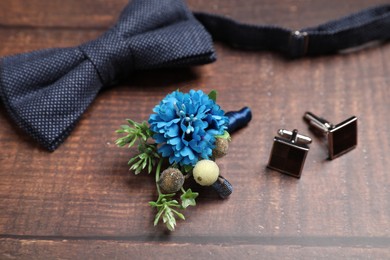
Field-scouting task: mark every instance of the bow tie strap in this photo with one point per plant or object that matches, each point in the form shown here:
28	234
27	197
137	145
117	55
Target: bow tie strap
350	31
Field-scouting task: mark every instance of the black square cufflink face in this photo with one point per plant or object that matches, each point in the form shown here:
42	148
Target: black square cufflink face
288	155
342	137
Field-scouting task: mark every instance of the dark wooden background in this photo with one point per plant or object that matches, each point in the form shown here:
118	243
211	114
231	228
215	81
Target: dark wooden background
81	201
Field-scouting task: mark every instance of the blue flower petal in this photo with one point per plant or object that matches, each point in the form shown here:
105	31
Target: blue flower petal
165	150
186	151
172	131
174	141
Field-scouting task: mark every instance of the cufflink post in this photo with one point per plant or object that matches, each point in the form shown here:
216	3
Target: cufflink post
294	136
342	137
318	123
289	152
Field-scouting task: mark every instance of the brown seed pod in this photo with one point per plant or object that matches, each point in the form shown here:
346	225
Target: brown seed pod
221	147
171	180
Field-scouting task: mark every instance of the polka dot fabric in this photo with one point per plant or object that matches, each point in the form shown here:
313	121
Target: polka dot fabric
47	91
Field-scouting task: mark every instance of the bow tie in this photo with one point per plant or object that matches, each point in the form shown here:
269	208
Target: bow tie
45	92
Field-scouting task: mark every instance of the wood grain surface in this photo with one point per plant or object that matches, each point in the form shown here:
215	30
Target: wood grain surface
81	202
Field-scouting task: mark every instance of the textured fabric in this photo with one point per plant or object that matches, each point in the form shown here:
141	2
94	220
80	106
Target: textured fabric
350	31
47	91
223	187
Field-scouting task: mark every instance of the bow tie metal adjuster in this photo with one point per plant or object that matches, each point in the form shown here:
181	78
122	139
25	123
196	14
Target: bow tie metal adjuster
298	44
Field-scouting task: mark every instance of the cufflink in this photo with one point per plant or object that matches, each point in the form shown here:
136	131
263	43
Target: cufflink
288	154
342	137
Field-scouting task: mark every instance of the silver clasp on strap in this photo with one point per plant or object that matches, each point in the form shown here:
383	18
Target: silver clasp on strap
298	44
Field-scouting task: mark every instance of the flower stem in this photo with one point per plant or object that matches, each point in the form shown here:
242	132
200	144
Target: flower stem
158	169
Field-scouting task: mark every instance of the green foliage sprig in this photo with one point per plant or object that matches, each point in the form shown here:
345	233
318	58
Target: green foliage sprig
134	132
139	134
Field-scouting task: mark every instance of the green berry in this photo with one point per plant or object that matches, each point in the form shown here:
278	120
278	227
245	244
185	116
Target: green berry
171	180
206	172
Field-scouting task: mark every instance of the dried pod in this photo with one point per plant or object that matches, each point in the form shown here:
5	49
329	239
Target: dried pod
171	180
221	147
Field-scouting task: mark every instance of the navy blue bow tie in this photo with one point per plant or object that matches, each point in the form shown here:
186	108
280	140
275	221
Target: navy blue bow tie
47	91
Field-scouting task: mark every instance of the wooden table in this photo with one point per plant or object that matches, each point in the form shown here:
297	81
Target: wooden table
82	202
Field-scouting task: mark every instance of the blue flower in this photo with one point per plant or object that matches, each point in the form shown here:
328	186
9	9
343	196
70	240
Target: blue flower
185	126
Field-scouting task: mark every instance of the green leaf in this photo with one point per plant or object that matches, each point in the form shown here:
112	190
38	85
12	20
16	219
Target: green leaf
157	218
125	127
132	142
213	95
135	132
225	135
173	203
180	215
187	168
150	165
169	219
137	171
153	204
145	161
188	198
132	160
131	122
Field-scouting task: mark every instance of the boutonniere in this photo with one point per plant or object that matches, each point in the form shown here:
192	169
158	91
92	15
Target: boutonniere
187	132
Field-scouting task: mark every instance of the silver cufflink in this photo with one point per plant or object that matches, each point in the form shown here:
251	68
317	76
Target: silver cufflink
289	152
341	137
